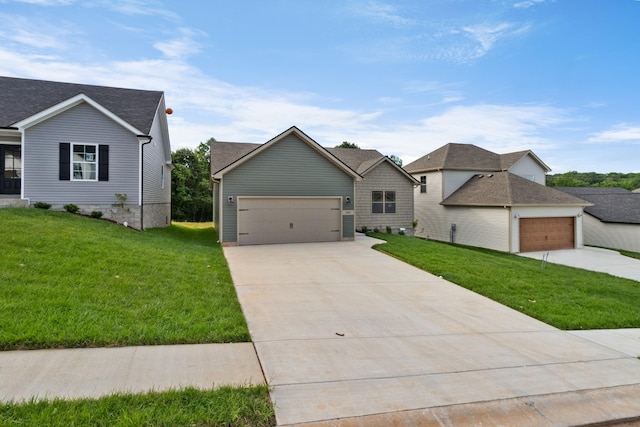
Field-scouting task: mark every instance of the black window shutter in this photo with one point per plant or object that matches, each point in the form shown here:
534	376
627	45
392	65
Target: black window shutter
103	163
65	161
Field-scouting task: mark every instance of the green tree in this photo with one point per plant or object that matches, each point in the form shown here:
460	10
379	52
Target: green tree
347	144
191	196
395	159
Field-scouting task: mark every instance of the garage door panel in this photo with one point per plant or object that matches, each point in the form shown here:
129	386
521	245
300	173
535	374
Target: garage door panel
541	234
288	220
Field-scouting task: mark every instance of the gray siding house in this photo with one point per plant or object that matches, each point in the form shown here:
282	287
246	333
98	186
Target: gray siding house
475	197
290	190
101	148
613	220
287	190
384	197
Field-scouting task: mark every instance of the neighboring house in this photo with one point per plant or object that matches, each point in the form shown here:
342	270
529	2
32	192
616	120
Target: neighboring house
290	189
475	197
101	148
384	197
613	221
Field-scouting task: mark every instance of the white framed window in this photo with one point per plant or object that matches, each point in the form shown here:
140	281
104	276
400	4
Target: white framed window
84	162
423	184
383	202
162	176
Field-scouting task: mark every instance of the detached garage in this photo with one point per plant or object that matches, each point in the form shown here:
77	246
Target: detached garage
287	190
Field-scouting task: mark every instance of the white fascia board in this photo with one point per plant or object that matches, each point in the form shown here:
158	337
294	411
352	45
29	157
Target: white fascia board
292	130
70	103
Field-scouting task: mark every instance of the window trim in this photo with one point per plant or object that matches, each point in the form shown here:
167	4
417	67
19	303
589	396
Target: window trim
380	205
423	184
73	162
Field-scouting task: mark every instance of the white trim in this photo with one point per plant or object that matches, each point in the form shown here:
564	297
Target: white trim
70	103
292	130
97	162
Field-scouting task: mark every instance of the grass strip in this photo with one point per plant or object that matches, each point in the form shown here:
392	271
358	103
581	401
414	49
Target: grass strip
225	406
565	297
72	281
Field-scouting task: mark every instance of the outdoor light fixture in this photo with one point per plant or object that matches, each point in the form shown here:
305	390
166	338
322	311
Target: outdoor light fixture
347	199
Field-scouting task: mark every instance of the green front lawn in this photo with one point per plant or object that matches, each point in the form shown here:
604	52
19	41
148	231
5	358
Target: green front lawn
225	406
565	297
71	281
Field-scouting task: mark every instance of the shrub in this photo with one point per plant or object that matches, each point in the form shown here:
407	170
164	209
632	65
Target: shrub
41	205
96	214
71	208
376	230
389	231
401	232
364	229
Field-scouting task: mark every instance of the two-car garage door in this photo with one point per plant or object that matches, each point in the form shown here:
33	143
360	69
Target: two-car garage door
544	234
288	220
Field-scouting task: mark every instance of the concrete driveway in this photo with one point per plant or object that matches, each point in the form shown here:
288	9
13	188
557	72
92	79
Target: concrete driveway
593	259
349	336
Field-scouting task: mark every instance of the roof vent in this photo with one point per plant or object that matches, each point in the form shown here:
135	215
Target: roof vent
490	175
480	175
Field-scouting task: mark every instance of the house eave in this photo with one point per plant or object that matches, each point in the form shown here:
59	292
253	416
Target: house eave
292	130
391	162
9	131
68	104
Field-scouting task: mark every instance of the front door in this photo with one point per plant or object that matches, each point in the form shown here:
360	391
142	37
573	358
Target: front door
10	169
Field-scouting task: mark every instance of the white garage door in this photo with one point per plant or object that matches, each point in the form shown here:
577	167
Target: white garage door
288	220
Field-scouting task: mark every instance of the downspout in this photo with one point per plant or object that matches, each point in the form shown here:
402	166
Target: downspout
141	138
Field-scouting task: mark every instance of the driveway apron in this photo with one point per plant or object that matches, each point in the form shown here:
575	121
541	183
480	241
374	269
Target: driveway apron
345	331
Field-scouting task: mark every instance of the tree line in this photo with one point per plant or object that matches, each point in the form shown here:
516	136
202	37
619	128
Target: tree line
191	194
630	181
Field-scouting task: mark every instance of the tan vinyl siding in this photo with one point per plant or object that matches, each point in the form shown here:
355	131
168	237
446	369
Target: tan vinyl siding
452	180
289	167
484	227
385	177
528	168
611	235
84	125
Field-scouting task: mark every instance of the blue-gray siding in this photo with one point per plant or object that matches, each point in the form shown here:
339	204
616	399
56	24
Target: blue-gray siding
289	167
84	125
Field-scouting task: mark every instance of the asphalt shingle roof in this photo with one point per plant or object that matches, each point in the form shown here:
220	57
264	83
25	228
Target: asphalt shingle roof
225	153
616	205
507	189
23	98
466	157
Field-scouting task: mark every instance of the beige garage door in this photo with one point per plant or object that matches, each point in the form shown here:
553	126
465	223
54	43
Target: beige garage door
288	220
544	234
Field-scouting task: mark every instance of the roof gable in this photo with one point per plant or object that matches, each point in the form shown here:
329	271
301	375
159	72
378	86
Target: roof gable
469	157
507	189
247	152
23	99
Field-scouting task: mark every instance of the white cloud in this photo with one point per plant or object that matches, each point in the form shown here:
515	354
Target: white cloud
527	4
34	33
48	2
180	47
621	132
488	34
383	13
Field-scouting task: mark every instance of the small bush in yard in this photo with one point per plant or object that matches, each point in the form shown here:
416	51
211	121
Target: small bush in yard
71	208
389	231
41	205
96	214
364	229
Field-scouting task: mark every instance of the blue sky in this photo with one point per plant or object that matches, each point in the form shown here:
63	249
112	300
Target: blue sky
404	76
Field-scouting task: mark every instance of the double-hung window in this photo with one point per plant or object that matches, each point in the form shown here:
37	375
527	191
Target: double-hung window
85	162
383	202
423	184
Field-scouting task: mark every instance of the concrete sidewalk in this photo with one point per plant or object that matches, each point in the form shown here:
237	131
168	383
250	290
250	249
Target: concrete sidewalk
593	259
97	372
348	336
